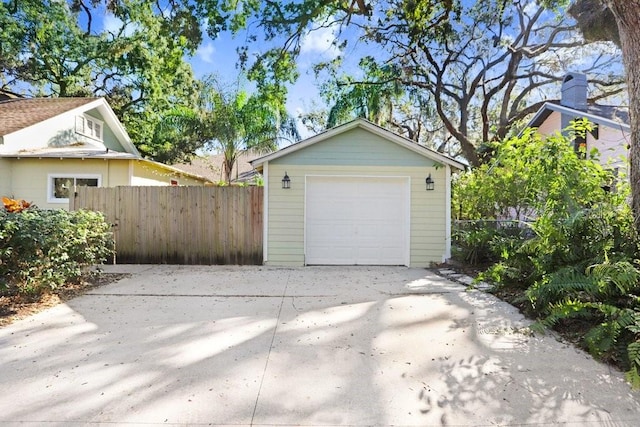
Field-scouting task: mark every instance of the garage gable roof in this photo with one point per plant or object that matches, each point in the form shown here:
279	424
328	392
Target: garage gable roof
368	126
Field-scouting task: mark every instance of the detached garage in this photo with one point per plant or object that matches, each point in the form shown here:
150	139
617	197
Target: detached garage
357	194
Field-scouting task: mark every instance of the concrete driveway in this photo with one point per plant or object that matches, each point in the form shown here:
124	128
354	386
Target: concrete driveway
321	346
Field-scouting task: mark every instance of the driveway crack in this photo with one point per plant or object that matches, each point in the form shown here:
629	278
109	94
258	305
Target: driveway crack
273	338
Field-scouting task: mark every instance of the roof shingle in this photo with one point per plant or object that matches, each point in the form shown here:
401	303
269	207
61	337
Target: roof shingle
17	114
211	167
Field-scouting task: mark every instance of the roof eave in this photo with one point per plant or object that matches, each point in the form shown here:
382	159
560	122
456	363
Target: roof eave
105	156
547	108
109	117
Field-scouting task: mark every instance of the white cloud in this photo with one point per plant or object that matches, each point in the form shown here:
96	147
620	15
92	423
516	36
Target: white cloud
113	25
531	8
205	52
320	41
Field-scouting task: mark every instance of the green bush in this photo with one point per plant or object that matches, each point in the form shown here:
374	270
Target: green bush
577	270
605	297
43	249
482	242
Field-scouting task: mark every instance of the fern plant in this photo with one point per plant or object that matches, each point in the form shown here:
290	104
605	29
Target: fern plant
566	284
605	295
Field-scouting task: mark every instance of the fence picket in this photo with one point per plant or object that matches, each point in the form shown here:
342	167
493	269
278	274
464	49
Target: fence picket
180	225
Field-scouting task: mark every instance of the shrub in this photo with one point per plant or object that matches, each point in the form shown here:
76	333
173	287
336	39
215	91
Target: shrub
43	249
483	242
605	297
576	270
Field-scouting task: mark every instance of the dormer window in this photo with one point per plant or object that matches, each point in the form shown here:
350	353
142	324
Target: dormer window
89	126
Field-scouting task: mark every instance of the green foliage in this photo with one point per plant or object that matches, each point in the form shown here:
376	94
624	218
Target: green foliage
229	121
531	174
374	99
576	265
42	249
473	245
555	199
482	242
56	48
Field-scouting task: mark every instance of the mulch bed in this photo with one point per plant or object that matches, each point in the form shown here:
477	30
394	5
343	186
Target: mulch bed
16	307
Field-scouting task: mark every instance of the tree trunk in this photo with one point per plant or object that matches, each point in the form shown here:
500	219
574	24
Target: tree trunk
627	13
227	168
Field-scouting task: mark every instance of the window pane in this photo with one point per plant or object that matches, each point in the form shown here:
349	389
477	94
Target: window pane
87	182
96	128
62	187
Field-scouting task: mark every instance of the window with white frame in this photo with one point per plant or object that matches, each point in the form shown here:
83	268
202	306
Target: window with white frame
61	187
89	126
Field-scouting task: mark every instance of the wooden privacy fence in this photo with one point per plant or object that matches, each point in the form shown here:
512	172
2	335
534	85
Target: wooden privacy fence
180	225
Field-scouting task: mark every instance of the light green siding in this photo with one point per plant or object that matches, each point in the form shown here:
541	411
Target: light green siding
285	226
356	147
109	139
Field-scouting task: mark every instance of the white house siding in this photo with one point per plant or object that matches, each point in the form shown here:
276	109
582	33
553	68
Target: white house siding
612	146
58	131
354	153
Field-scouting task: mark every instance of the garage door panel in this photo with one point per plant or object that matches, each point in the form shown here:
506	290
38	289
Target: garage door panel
357	220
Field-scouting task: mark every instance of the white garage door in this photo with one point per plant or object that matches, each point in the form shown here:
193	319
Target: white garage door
357	221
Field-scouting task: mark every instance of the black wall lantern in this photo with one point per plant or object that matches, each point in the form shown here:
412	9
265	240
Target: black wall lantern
430	183
286	181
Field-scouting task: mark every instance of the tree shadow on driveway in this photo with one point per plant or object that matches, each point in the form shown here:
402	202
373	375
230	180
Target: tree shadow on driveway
309	346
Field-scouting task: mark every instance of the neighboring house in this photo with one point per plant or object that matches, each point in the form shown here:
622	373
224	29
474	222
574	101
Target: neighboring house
5	95
210	166
357	194
611	133
48	146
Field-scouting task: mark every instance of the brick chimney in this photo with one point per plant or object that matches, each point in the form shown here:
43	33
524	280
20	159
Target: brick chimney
574	91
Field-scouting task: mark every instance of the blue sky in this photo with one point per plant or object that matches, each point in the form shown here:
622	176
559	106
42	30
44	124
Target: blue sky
219	57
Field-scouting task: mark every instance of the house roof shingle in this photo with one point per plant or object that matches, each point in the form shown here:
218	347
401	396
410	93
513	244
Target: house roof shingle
211	167
611	112
17	114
